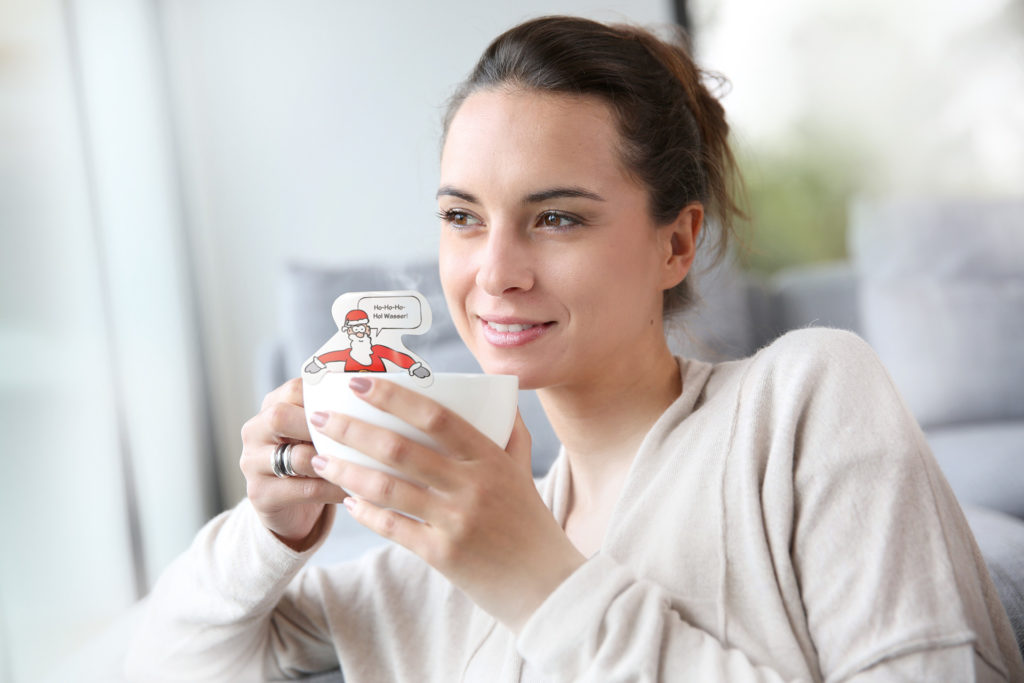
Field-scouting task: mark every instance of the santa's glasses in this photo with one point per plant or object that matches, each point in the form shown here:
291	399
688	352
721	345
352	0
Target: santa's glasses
358	329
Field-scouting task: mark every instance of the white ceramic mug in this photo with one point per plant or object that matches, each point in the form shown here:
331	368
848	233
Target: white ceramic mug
488	402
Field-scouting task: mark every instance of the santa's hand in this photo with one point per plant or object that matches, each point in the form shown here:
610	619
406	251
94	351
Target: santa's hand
481	521
314	366
420	371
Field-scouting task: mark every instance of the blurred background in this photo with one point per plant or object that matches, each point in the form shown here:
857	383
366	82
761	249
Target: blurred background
161	162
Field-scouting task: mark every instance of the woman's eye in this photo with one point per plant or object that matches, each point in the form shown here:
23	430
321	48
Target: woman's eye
553	219
458	219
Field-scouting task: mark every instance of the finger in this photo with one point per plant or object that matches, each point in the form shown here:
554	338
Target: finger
286	422
458	437
291	491
259	462
412	459
300	456
276	423
388	523
289	392
380	488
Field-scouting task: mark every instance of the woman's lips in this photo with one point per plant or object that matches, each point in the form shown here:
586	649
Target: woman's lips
508	332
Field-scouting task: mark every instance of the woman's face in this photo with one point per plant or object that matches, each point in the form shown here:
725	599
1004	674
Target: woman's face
552	267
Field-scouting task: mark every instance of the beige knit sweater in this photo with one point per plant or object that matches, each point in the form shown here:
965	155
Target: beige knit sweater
783	520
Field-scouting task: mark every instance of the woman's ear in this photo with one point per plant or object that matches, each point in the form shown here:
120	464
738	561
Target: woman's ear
679	239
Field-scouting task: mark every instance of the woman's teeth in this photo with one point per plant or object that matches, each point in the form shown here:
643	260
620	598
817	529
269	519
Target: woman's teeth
508	328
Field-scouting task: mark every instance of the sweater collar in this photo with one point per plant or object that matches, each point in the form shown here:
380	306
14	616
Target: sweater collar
555	486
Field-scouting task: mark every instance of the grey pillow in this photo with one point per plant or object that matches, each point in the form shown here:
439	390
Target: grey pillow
942	302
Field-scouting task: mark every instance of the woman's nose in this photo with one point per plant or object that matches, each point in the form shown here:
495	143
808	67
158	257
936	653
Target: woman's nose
504	264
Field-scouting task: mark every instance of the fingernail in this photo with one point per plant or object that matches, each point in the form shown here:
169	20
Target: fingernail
319	418
319	462
349	503
360	385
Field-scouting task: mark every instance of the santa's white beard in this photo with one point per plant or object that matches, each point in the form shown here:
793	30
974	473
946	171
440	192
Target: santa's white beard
361	350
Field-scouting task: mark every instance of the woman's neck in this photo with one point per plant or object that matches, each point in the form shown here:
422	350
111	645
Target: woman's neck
602	422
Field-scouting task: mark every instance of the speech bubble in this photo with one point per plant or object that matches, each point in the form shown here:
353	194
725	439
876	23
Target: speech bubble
392	312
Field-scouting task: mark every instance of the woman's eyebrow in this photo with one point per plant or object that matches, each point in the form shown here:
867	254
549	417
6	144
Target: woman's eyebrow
559	192
532	198
449	191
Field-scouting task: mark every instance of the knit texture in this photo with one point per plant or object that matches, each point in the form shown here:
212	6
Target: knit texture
783	520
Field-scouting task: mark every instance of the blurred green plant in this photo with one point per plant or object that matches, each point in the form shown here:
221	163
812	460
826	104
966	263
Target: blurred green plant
797	197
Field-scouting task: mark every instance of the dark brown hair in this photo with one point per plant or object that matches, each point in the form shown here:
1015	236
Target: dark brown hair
674	133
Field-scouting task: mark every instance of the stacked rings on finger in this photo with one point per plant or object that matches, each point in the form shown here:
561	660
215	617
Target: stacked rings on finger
281	461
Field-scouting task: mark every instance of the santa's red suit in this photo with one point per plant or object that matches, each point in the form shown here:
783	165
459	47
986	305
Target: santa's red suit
378	354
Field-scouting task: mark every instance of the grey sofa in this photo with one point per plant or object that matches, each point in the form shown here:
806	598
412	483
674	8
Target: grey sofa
936	288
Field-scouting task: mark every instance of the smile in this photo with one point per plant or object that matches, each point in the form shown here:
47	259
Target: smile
510	334
515	327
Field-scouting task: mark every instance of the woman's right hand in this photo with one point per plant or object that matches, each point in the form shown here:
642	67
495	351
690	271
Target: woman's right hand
290	507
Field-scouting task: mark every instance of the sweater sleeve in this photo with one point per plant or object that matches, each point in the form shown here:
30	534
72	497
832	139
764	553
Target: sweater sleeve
228	609
604	624
885	560
623	629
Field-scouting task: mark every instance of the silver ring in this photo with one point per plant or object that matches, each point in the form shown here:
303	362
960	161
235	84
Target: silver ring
281	461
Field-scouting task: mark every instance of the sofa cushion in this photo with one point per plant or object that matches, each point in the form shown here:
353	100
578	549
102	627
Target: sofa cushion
984	463
942	302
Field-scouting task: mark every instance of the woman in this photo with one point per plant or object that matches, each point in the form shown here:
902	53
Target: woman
778	518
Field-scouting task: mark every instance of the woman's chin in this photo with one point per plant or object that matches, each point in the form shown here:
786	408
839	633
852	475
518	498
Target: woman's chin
531	375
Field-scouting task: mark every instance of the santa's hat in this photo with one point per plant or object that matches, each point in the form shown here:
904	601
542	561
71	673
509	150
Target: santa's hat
356	317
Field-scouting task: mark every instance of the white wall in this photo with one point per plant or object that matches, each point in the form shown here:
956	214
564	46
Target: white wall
309	132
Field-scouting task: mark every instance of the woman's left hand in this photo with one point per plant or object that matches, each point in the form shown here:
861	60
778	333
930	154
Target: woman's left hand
484	525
